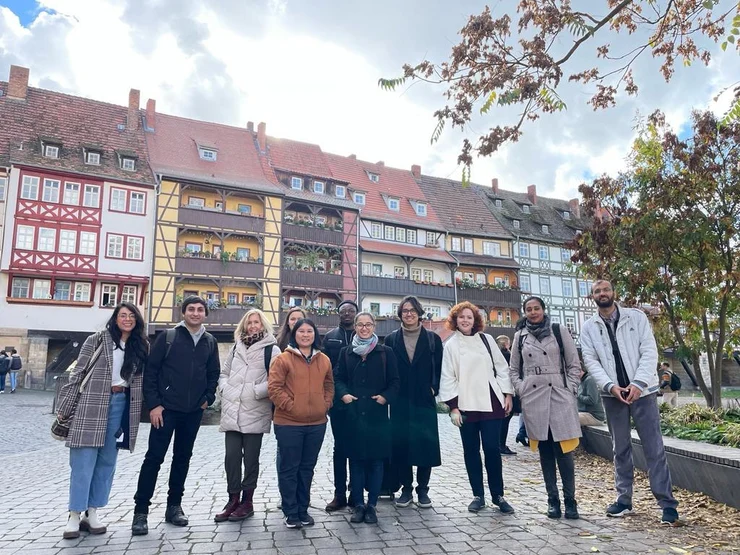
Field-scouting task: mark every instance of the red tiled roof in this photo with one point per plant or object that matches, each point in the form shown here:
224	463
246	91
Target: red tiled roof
403	249
393	182
295	156
173	151
75	121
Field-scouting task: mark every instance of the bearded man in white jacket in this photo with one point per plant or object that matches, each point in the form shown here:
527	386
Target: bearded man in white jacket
619	351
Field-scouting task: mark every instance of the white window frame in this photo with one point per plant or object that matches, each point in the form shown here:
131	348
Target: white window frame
492	248
39	291
416	274
498	203
401	235
71	194
340	191
82	292
525	283
51	190
421	209
207	154
3	186
129	294
68	291
30	187
411	236
114	246
567	284
128	164
394	204
570	323
545	229
389	233
118	199
432	238
517	224
296	183
68	241
134	246
376	230
359	198
19	285
367	269
566	215
137	202
543	250
480	279
374	177
468	245
565	255
91	191
545	288
457	244
92	158
51	151
25	237
428	275
524	250
583	289
88	243
47	239
525	209
319	187
109	289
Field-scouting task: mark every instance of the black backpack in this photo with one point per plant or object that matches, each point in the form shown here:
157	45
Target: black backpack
267	355
15	362
559	339
675	383
172	334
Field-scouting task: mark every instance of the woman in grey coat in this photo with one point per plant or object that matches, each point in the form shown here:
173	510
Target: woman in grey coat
545	372
104	415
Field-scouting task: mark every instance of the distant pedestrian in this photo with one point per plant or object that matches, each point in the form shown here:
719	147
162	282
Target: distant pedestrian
4	368
179	384
475	385
15	366
103	415
367	381
504	345
620	353
590	409
545	371
669	381
246	410
414	413
301	386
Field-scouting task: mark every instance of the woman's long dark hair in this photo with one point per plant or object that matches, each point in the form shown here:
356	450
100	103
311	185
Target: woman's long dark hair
136	352
316	337
283	336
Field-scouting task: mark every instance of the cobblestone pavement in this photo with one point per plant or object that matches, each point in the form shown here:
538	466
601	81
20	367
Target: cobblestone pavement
33	498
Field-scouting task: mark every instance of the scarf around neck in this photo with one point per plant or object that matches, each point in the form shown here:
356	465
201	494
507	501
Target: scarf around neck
250	340
541	330
362	347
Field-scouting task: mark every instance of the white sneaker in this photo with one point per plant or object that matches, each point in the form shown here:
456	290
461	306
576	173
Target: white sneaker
90	522
72	529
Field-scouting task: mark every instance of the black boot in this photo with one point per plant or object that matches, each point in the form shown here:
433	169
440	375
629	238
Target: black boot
553	508
175	515
139	526
571	509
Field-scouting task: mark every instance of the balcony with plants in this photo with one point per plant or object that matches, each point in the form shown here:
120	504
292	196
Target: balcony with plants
322	226
217	254
497	294
223	308
220	208
311	266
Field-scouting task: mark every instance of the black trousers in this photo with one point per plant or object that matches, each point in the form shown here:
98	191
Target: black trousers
242	448
184	426
473	434
406	476
550	455
505	430
340	429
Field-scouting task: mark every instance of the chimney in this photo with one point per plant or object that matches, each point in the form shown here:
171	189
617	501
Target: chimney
262	136
381	164
575	208
532	193
416	171
151	109
250	126
132	120
494	185
352	156
18	82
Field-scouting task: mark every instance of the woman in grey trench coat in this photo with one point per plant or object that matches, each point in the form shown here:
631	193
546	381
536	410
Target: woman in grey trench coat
104	415
547	385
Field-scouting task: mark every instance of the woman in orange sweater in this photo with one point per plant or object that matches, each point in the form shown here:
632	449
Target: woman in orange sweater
301	386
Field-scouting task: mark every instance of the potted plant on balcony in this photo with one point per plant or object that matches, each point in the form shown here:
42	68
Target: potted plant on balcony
338	225
225	257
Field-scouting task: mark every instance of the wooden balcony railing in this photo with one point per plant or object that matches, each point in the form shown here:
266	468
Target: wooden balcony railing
222	220
403	287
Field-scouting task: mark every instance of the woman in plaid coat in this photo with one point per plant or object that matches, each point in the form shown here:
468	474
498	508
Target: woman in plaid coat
104	415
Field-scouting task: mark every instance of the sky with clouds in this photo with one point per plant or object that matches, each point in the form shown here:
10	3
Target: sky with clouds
309	69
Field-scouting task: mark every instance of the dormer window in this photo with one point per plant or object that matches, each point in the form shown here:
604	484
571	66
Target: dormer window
359	198
421	209
525	208
340	191
128	164
517	224
207	154
566	215
498	203
394	204
545	229
374	177
318	187
51	151
92	158
296	183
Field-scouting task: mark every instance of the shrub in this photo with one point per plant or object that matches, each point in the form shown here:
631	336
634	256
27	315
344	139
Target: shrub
694	422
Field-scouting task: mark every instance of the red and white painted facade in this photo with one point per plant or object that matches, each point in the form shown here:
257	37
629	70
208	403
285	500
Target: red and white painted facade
73	247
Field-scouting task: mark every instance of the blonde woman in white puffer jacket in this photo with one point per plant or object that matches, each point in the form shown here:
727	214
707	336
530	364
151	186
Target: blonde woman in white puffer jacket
246	410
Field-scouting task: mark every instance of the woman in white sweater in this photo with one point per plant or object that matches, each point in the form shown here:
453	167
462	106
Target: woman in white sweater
475	385
246	410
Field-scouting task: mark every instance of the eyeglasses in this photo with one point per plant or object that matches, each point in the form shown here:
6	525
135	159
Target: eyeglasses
365	326
122	316
408	311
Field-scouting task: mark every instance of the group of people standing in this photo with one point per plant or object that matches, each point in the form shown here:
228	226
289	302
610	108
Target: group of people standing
10	363
381	400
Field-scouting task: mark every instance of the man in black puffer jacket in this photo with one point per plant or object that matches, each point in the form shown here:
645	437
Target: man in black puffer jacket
179	384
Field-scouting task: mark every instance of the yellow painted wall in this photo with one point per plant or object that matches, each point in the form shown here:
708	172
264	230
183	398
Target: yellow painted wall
504	246
492	274
229	245
272	258
232	201
209	287
493	316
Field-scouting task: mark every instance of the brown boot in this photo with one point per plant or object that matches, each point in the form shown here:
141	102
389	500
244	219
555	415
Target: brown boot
339	502
229	508
245	508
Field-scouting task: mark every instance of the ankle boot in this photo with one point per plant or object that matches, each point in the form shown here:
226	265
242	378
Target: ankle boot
571	509
229	508
90	522
245	508
72	529
553	508
339	502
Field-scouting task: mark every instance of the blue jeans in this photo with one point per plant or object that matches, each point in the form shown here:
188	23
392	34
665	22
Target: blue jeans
299	448
365	474
2	381
13	380
93	467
